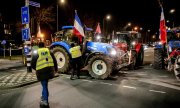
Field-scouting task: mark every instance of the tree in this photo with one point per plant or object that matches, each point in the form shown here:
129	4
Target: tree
44	16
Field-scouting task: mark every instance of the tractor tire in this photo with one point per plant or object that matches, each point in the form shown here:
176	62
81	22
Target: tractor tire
158	58
177	70
140	57
100	66
133	66
63	59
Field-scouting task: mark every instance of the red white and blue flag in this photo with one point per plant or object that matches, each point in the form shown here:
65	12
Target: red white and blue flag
163	33
78	28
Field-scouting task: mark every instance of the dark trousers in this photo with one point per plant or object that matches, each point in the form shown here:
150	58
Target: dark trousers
76	65
45	92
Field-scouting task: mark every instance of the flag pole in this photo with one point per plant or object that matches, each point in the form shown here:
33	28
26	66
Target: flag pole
160	4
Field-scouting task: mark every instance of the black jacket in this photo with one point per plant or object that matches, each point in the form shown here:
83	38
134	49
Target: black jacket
45	73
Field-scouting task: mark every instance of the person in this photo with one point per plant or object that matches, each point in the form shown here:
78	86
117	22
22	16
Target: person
44	63
76	60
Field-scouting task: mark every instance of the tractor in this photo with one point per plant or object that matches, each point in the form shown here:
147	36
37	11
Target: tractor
132	51
100	59
167	56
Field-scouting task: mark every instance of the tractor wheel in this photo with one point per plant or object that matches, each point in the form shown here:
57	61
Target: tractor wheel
132	66
100	66
63	60
140	57
158	58
177	70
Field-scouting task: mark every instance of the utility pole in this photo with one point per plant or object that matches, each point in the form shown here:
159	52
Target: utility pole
57	17
28	56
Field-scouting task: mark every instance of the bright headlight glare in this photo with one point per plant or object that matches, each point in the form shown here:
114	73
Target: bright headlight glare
133	43
116	41
178	60
170	49
160	43
98	37
113	52
35	52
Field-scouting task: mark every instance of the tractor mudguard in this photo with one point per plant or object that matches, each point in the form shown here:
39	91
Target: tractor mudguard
90	55
63	44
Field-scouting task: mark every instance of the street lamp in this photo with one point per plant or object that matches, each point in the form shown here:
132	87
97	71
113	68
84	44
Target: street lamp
148	36
62	2
108	17
126	26
136	28
172	11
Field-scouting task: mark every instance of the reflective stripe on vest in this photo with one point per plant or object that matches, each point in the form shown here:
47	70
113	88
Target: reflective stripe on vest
75	52
44	59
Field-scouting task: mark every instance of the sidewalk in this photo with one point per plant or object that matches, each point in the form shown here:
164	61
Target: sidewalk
18	78
12	78
8	64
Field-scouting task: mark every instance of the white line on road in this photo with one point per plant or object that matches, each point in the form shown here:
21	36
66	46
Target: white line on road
106	83
163	76
87	80
13	69
142	74
22	70
160	84
129	87
146	55
157	91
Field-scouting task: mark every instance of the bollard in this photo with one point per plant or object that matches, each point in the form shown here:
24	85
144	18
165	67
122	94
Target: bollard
28	55
28	59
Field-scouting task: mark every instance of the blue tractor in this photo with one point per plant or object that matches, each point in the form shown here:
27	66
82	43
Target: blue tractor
100	59
167	56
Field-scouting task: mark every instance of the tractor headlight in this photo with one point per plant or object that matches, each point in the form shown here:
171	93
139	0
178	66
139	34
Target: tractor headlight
170	49
133	43
160	43
112	51
35	52
178	60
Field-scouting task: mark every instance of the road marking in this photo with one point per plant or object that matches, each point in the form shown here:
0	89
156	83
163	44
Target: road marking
67	77
142	74
160	84
13	69
87	80
163	76
129	87
22	70
157	91
146	55
106	83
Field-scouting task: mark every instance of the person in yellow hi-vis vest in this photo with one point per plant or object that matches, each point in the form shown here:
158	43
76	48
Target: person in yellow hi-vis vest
44	62
76	60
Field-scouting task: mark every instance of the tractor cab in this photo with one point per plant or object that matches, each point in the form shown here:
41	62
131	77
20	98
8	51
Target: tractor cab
173	39
126	39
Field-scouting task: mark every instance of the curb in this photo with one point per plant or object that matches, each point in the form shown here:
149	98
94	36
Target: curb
10	67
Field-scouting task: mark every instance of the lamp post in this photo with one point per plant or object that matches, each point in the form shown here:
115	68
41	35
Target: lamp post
108	17
172	11
126	26
62	2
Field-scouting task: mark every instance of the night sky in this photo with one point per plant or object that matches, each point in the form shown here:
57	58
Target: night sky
143	13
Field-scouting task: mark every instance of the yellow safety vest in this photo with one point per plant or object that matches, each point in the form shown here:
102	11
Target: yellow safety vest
44	59
75	52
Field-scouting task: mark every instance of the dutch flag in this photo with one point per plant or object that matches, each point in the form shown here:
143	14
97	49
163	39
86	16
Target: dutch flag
78	28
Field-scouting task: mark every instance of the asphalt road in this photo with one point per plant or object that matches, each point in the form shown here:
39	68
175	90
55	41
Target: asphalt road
142	88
